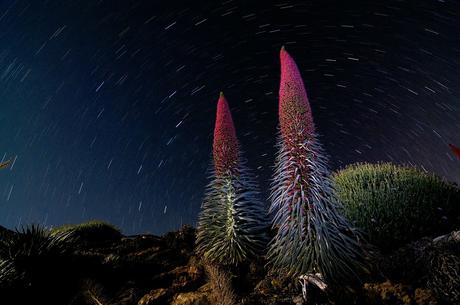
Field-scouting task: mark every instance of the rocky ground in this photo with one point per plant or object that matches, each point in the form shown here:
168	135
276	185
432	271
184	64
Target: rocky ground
148	270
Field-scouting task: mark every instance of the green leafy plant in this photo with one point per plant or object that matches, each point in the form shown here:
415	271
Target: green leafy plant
396	204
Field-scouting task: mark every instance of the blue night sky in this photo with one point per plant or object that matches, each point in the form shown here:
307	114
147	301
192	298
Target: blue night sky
107	107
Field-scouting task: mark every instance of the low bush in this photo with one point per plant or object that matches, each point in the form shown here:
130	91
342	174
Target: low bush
397	204
91	231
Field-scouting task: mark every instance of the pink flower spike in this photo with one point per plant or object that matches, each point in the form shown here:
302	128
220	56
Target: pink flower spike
225	146
295	115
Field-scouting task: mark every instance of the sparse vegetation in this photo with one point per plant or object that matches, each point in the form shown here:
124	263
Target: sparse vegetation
93	293
221	285
91	231
33	262
38	268
388	293
396	204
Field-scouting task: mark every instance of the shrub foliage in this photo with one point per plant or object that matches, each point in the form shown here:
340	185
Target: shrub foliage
396	204
91	231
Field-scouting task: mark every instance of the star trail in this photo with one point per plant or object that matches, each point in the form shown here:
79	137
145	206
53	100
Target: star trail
107	107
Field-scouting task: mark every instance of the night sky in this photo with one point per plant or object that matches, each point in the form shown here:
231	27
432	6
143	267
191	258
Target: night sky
107	107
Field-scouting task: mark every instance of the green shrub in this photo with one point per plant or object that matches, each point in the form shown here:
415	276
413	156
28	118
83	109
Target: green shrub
396	204
91	231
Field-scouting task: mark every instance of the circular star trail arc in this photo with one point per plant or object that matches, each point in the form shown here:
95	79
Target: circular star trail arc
107	107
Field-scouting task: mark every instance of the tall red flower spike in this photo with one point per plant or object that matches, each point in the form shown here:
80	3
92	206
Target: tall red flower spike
225	146
312	236
455	150
233	222
296	120
295	117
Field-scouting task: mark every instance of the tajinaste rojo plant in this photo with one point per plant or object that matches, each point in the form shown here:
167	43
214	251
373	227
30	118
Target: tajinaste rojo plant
232	225
312	236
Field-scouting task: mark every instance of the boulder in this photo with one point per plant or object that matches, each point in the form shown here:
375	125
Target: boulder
191	298
154	297
432	264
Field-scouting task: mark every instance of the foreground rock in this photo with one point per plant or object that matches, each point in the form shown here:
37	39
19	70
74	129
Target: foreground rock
427	267
144	270
149	270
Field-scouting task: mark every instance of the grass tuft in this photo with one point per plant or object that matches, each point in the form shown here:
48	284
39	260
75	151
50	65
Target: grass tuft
221	285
